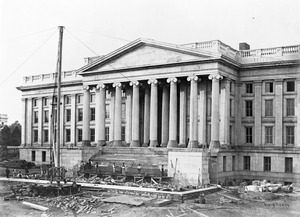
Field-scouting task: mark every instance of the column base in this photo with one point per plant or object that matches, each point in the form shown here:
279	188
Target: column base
86	143
153	143
135	143
101	143
172	144
145	145
164	145
181	145
117	143
193	144
214	147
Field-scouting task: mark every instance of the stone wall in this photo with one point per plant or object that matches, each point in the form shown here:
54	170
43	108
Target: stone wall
188	168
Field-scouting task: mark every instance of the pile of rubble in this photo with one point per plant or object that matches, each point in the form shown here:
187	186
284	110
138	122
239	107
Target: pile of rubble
264	186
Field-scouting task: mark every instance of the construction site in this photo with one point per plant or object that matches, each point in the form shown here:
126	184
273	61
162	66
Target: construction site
113	185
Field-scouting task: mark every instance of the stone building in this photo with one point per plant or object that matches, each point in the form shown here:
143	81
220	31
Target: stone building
3	119
223	114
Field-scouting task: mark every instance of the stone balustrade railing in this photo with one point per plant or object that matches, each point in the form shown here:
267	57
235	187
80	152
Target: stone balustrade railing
50	78
249	56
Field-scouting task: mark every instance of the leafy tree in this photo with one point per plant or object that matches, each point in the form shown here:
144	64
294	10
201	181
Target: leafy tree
16	137
5	136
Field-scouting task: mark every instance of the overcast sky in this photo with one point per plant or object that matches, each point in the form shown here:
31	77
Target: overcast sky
105	25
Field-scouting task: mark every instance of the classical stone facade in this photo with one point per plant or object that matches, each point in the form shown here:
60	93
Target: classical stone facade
242	107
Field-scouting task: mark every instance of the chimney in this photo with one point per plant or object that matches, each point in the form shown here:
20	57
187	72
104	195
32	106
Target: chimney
244	46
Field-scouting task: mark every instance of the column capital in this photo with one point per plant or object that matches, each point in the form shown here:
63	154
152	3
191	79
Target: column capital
100	86
193	77
152	81
173	79
117	84
134	83
86	87
215	76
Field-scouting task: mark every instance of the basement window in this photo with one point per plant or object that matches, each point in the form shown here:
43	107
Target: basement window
32	155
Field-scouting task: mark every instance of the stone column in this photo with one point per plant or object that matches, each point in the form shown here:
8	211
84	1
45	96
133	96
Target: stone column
112	115
40	120
128	115
278	112
24	120
298	113
202	113
257	113
73	119
86	116
100	115
173	113
193	143
29	122
135	142
118	115
215	95
62	120
225	112
182	117
153	113
51	120
147	118
165	117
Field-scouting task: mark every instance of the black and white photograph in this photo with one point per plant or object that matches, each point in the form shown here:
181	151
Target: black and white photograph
148	108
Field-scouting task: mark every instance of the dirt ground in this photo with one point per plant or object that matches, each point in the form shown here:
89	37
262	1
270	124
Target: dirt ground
216	205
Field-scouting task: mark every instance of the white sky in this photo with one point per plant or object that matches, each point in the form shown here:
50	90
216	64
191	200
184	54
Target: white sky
260	23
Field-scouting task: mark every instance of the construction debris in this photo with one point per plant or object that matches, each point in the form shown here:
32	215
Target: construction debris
126	199
35	206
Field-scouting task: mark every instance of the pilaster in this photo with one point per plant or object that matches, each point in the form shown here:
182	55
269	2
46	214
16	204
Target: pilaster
224	111
278	112
257	113
40	120
298	113
29	122
24	120
73	119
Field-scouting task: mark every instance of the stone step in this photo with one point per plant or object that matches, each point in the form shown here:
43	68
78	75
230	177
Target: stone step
127	150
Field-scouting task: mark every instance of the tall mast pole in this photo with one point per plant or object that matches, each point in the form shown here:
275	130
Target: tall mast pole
58	69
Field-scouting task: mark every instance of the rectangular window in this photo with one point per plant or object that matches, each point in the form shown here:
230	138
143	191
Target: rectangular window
247	162
231	108
269	87
46	116
34	102
224	163
290	135
92	99
92	134
106	133
288	164
92	114
267	163
248	134
269	108
123	133
45	101
233	163
79	99
43	156
230	134
290	86
46	136
290	107
35	117
32	155
249	88
269	135
107	111
67	99
68	135
68	115
249	108
35	135
79	135
54	99
80	114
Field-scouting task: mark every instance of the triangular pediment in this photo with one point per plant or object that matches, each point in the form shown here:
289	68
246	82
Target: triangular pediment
145	54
